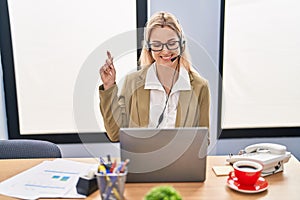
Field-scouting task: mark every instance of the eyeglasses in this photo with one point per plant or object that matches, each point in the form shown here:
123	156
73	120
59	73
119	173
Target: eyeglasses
159	46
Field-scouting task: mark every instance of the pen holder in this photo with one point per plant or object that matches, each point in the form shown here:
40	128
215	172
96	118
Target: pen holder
111	185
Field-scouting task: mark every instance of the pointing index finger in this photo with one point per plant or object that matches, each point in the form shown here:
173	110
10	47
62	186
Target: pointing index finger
109	55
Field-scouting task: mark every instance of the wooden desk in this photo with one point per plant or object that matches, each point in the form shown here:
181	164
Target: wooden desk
284	185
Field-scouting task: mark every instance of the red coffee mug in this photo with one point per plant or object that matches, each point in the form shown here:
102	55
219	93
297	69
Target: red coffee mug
246	172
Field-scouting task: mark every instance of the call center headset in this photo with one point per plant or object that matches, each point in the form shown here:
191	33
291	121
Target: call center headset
181	49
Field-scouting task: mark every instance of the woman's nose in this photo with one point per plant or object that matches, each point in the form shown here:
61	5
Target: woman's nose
165	48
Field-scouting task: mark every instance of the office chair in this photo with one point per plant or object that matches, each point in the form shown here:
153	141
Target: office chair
21	148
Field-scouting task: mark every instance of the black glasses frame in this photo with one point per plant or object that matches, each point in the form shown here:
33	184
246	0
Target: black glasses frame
164	44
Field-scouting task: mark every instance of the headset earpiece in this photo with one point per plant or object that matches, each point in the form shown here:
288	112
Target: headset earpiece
182	45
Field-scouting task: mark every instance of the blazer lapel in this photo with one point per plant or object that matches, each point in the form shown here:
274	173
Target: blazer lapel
184	104
182	108
143	100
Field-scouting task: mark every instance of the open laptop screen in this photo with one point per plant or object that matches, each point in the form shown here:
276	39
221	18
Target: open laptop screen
165	155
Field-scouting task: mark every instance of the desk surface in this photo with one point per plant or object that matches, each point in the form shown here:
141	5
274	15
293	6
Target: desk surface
283	185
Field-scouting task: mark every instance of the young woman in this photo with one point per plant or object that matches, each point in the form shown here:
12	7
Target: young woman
166	93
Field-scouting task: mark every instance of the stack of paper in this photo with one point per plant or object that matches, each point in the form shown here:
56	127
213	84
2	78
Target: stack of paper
50	179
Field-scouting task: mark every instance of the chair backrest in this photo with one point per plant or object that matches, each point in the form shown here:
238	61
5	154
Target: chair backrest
22	148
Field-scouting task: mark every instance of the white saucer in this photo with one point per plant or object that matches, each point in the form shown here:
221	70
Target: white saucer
260	185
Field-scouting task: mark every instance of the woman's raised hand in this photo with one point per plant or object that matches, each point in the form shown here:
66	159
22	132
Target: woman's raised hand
108	72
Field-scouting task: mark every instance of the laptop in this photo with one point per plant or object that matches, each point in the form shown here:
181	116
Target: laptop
165	155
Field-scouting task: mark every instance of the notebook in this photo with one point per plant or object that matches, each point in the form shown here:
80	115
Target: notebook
165	155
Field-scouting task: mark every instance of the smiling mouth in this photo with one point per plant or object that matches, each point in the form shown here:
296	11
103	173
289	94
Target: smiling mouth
166	57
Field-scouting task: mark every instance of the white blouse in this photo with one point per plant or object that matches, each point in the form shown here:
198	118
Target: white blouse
158	97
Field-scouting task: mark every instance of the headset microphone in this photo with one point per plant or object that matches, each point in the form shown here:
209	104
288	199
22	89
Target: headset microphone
173	59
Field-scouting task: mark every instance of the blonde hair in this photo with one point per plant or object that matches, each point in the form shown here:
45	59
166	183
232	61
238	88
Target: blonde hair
163	19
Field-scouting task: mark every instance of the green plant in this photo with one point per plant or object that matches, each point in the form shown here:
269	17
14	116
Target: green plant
163	193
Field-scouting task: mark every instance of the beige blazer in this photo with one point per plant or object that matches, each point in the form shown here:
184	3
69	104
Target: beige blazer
131	107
